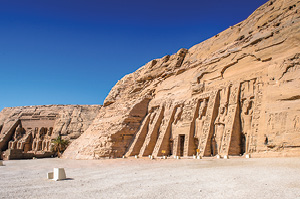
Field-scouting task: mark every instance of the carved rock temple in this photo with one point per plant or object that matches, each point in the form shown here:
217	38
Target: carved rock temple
237	93
27	132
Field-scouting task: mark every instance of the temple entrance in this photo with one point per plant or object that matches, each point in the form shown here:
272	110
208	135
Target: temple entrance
171	148
243	144
213	147
181	144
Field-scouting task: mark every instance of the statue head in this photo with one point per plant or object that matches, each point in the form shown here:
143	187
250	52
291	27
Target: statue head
222	109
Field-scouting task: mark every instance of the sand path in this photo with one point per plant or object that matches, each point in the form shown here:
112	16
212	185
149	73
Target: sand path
144	178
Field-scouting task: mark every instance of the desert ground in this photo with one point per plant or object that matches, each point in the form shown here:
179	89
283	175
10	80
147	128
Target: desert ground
145	178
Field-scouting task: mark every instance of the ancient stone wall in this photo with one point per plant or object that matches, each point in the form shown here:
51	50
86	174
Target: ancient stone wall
27	131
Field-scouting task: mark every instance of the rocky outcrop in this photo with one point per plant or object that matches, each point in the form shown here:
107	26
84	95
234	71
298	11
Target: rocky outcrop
27	131
235	93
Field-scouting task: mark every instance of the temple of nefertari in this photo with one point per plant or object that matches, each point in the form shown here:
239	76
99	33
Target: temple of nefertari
237	93
27	132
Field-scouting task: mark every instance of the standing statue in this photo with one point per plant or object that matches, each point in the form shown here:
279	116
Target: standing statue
201	118
178	113
177	117
219	127
246	119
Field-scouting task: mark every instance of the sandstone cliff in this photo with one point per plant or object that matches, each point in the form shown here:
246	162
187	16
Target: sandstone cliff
235	93
28	130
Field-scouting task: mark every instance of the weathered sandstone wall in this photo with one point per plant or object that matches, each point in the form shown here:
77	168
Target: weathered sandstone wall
235	93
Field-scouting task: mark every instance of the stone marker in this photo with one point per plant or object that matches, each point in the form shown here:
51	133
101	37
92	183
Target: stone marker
136	156
59	174
218	156
226	157
247	155
199	157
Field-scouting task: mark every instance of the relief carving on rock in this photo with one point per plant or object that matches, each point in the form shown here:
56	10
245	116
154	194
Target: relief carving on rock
246	113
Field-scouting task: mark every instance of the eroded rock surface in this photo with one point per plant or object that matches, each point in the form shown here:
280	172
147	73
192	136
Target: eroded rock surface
27	131
235	93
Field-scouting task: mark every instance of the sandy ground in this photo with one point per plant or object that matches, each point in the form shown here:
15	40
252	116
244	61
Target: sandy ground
144	178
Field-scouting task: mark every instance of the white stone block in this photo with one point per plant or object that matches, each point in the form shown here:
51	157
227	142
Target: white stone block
177	157
218	156
136	156
199	157
194	157
226	157
59	174
247	156
164	157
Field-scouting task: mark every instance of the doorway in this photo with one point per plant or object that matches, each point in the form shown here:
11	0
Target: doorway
181	144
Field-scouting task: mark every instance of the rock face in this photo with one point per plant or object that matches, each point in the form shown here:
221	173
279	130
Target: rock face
27	131
235	93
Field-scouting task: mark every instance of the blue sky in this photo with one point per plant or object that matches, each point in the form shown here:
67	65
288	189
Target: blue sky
74	51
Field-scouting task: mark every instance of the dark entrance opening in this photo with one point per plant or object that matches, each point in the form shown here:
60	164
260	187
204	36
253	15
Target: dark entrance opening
243	144
171	147
181	144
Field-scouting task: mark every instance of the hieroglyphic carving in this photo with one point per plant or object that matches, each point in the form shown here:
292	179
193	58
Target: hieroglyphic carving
221	120
257	106
208	122
276	127
230	119
296	123
183	129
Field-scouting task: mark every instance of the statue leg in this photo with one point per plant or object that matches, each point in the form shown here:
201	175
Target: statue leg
22	144
33	145
10	144
14	145
43	146
246	143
